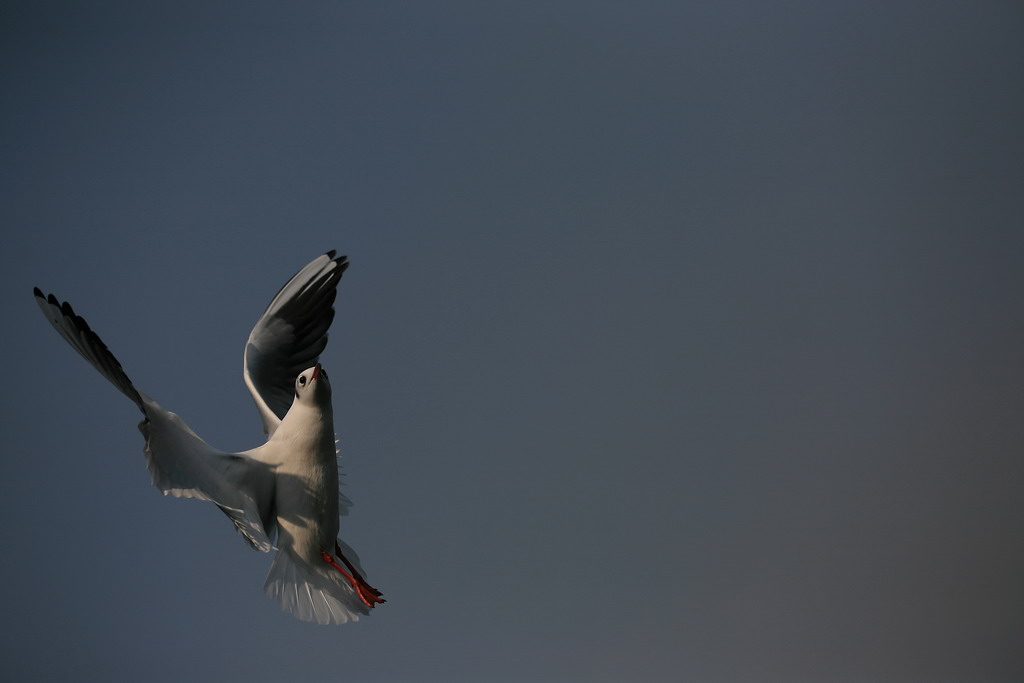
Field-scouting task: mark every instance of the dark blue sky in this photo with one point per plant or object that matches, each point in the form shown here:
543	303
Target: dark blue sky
681	342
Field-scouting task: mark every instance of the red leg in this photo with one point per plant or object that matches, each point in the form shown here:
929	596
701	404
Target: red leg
367	593
356	574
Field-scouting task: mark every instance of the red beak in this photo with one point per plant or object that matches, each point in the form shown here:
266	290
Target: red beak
316	372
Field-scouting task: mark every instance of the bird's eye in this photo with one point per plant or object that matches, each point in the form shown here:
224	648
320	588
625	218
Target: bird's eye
302	380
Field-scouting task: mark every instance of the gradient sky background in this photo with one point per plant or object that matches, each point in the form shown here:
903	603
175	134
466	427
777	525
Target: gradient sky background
681	342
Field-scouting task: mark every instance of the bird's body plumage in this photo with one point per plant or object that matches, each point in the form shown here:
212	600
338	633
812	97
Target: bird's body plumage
283	494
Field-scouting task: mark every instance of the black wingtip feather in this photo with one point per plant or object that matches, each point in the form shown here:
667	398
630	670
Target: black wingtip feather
76	331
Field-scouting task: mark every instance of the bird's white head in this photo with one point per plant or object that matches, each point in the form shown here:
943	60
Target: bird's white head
313	386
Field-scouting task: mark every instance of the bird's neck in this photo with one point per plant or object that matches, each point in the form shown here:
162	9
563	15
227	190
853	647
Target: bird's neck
308	427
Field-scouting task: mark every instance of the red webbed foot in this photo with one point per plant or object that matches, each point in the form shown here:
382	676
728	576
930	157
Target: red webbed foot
370	596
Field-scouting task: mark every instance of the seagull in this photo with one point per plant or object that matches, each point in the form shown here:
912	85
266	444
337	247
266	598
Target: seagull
283	495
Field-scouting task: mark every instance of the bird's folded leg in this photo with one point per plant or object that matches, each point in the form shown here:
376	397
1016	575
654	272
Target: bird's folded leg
370	596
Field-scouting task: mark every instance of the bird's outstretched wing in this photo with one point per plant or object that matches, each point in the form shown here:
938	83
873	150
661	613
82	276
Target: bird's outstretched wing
180	462
77	332
290	335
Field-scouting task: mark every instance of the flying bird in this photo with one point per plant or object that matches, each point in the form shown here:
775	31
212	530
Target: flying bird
283	495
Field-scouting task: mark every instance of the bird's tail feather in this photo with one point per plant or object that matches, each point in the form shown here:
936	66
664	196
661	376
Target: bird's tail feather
312	593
